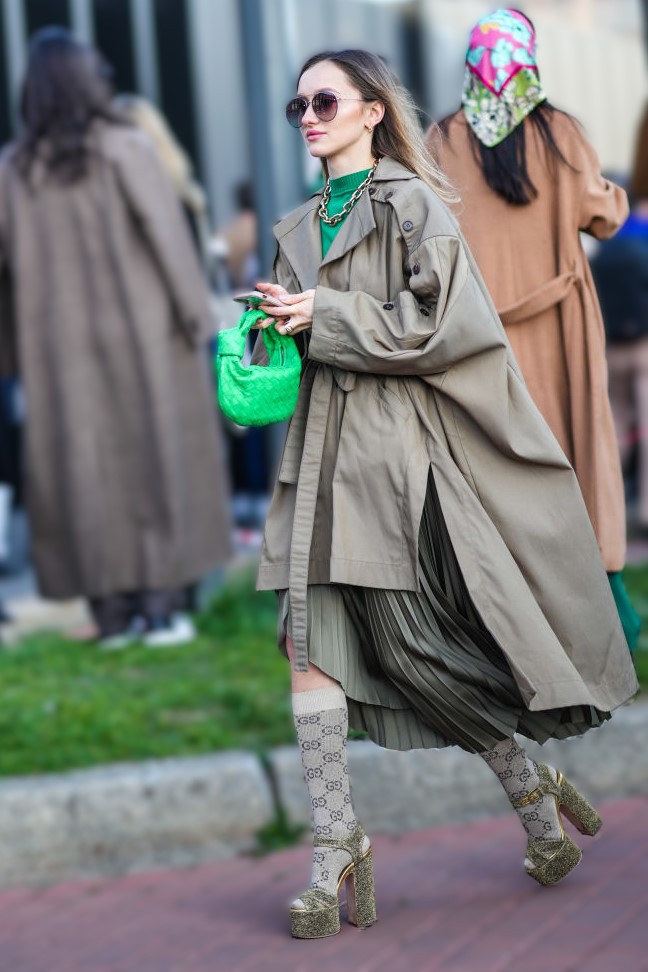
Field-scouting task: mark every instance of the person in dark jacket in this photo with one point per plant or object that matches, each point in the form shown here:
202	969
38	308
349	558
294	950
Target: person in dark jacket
620	269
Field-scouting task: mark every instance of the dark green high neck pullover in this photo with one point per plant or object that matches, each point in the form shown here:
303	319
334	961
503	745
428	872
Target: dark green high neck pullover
341	191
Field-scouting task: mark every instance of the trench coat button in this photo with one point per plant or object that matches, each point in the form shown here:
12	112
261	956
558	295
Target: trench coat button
388	306
389	194
424	311
416	268
372	190
408	225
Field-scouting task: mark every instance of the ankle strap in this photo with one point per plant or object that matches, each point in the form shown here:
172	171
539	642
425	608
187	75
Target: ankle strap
546	786
532	797
351	844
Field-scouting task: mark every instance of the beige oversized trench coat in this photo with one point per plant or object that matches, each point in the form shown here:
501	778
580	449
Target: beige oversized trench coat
409	369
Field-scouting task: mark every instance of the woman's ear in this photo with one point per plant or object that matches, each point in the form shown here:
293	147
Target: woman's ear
376	113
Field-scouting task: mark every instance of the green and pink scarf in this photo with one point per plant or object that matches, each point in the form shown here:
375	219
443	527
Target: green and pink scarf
501	84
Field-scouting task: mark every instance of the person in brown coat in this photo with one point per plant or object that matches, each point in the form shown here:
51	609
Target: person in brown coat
440	582
529	183
639	177
126	489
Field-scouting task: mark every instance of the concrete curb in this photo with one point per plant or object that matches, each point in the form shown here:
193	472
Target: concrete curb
180	812
395	792
127	817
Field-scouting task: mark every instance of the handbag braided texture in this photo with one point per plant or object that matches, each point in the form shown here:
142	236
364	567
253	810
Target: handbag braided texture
257	394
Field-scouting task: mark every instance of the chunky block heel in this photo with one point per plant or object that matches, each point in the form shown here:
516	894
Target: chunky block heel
318	913
361	898
552	860
578	811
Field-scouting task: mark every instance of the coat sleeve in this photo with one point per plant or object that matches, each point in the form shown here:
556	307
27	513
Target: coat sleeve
442	317
156	208
603	204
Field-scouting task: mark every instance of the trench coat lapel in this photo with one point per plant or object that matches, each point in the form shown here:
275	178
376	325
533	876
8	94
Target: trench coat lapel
301	240
299	237
358	224
361	221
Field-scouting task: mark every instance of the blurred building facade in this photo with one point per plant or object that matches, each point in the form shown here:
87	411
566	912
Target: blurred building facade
221	70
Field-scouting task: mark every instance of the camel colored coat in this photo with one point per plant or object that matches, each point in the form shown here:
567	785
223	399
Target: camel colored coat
125	469
409	370
538	276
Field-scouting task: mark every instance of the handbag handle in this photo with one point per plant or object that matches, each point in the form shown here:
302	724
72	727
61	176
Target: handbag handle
248	320
232	342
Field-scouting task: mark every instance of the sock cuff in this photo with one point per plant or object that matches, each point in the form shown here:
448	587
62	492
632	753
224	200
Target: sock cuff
318	700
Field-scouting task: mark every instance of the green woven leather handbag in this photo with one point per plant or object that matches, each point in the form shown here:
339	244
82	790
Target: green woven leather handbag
257	394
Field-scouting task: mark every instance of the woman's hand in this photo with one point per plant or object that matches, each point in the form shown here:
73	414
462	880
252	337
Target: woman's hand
295	310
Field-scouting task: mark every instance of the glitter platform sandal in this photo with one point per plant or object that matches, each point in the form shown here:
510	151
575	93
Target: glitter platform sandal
319	914
549	861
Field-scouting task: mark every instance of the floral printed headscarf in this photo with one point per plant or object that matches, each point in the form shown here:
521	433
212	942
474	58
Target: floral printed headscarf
501	85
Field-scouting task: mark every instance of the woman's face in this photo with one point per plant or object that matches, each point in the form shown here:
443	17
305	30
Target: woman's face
350	130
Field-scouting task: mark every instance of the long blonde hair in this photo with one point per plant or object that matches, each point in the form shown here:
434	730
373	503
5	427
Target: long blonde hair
399	134
147	118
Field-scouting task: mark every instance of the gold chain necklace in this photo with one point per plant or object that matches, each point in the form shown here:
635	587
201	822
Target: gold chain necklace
349	204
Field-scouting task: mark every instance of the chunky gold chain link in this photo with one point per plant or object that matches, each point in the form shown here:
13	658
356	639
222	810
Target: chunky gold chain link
349	204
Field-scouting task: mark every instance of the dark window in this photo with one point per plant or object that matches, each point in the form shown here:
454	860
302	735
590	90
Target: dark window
114	38
174	70
415	54
45	13
5	115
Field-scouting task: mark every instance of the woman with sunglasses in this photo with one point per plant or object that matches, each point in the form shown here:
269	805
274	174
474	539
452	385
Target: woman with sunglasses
440	582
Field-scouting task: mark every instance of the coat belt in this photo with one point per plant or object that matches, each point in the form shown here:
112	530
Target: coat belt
305	504
540	299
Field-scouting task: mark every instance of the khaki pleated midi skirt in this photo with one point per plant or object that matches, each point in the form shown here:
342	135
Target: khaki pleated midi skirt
420	670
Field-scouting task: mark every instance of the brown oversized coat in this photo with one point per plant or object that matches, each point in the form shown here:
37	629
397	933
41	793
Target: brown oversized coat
539	278
409	369
124	465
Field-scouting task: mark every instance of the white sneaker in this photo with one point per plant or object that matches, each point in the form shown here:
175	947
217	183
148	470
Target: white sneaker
123	639
118	641
180	630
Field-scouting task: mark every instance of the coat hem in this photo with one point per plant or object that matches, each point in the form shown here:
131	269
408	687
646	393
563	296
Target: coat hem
552	695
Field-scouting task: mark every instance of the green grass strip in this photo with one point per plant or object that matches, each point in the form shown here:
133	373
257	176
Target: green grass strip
66	705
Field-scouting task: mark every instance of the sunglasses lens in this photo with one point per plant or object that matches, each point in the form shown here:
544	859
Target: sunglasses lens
325	105
295	111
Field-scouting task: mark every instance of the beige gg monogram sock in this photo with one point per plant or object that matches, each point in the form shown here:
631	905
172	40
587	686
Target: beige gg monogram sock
518	774
321	720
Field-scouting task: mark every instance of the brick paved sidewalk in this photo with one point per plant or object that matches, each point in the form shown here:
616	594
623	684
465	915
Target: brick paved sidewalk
452	899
